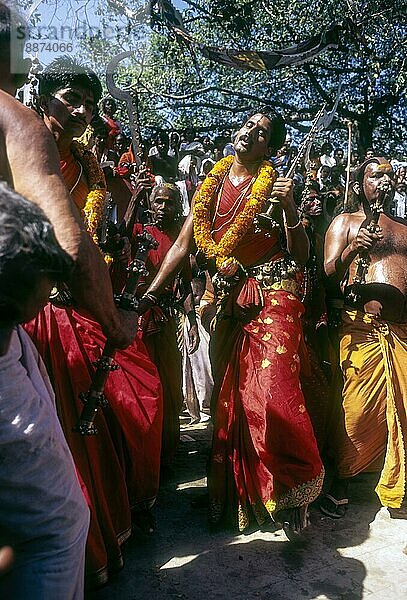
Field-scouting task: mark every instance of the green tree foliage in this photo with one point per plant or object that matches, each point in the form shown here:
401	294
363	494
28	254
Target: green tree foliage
178	87
370	65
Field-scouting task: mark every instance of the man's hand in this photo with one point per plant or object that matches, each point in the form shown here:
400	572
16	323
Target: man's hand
126	332
193	338
283	190
123	255
365	240
142	183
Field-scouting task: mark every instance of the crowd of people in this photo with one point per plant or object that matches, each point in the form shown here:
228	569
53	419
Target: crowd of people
272	305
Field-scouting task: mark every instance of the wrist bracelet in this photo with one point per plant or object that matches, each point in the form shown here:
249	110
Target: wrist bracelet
298	223
150	296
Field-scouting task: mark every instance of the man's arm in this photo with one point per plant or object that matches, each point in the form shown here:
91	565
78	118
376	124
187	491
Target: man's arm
34	167
172	261
338	255
297	239
340	251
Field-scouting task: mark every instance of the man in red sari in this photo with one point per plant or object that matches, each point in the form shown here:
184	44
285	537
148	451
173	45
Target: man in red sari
159	324
264	459
120	466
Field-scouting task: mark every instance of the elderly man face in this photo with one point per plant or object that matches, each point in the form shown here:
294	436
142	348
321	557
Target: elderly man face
377	180
164	205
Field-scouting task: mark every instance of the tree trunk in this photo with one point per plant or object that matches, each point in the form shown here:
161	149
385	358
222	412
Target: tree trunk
365	129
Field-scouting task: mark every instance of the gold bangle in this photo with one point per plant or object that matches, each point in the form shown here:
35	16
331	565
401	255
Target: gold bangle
298	223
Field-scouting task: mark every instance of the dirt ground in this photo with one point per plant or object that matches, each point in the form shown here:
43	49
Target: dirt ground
357	557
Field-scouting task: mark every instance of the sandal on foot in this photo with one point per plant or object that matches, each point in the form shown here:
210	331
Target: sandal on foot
331	507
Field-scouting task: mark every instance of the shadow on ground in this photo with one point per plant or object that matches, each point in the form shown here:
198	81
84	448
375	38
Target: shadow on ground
183	559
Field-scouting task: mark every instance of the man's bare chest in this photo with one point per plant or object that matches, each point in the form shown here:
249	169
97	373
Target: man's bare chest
393	242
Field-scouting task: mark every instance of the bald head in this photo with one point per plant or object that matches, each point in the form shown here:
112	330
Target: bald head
375	179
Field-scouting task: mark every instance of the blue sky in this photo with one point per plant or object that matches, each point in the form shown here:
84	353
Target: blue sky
56	22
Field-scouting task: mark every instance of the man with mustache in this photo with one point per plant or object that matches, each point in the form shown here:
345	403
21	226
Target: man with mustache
120	466
264	461
373	339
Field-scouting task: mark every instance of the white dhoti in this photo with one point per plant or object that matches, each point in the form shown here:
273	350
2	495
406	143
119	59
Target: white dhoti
197	383
43	514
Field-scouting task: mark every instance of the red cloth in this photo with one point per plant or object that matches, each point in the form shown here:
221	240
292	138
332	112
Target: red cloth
126	158
159	333
253	246
264	455
120	466
75	179
114	128
163	351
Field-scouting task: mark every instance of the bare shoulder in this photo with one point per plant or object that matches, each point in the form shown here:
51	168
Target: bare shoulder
345	221
397	221
30	148
18	120
340	224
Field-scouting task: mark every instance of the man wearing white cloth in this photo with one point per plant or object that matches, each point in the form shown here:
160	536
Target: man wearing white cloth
43	514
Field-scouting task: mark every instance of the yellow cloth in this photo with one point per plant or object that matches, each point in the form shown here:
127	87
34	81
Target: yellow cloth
373	357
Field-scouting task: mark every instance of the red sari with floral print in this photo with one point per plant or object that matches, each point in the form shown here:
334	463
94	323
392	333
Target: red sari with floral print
264	455
119	467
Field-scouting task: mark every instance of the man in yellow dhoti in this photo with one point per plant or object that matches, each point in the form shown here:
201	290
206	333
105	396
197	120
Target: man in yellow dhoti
367	251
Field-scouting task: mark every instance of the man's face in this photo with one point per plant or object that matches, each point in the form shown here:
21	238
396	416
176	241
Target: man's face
121	144
163	146
312	206
252	140
110	108
174	140
378	179
70	110
164	207
189	135
325	172
25	309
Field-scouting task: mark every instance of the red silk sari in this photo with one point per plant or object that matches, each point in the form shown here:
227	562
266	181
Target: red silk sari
120	466
159	334
264	455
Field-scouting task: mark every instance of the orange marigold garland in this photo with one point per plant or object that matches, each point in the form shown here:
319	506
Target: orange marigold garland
95	200
241	224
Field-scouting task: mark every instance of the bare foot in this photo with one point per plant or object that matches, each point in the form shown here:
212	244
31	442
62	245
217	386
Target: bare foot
145	521
294	520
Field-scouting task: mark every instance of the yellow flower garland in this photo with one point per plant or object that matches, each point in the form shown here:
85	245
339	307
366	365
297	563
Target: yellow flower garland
261	190
95	200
